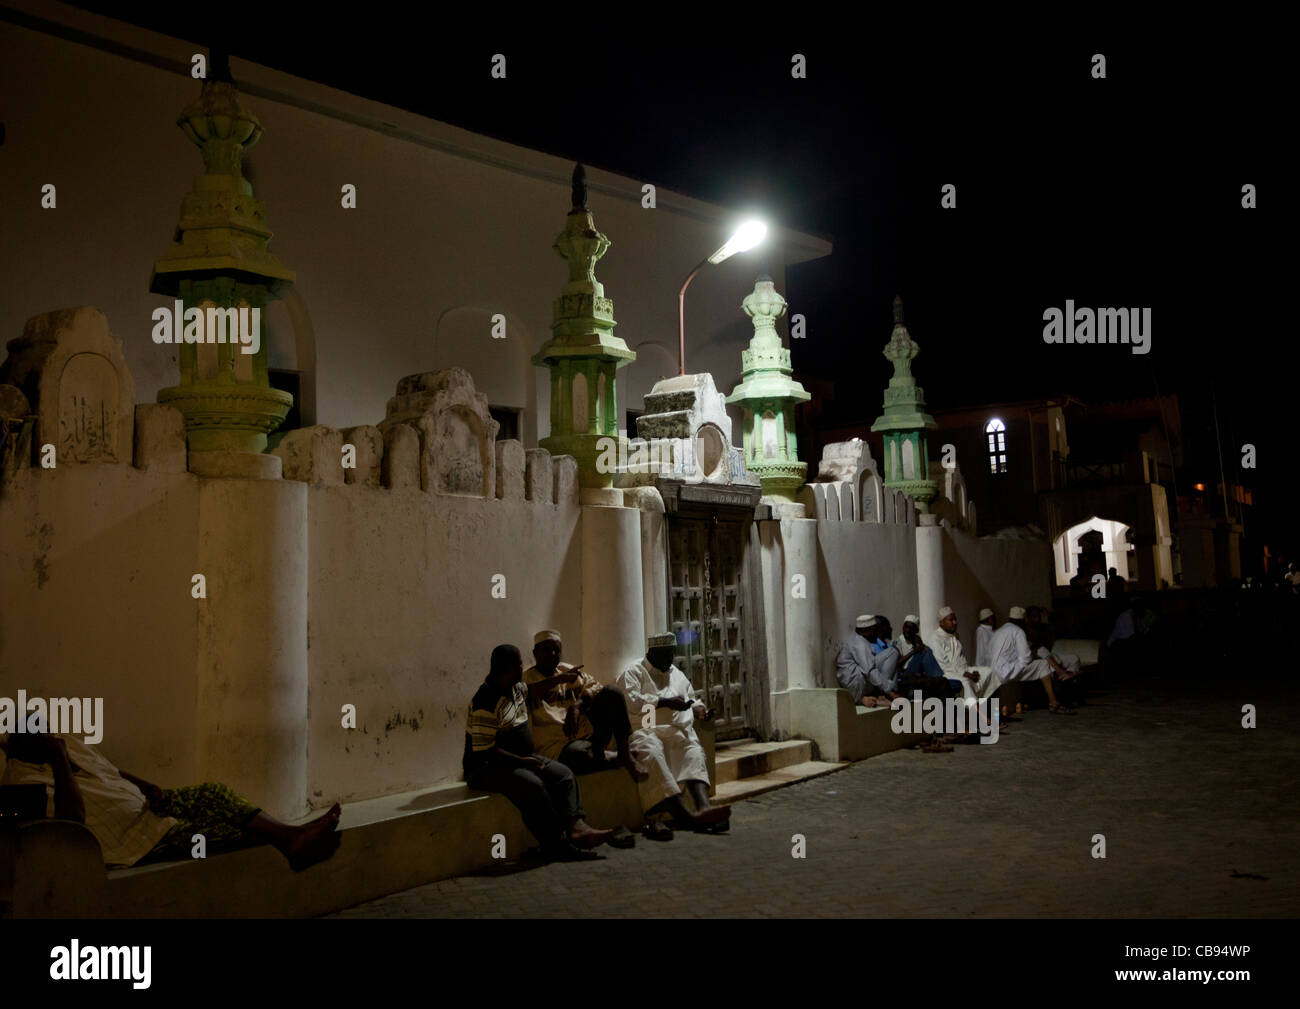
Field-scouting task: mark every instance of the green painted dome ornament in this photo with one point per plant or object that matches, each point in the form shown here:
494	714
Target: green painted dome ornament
904	422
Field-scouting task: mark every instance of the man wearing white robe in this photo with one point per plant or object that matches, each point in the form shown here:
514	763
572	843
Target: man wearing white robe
659	693
978	682
1013	660
984	638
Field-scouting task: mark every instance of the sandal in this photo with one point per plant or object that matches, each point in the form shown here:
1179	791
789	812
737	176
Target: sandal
1061	709
654	830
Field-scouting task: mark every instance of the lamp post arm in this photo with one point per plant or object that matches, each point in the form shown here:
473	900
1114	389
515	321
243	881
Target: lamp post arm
681	316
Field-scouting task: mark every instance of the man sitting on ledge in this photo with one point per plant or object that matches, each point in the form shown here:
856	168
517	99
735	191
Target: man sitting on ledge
984	638
866	667
978	682
1012	660
670	752
135	821
572	722
499	757
921	670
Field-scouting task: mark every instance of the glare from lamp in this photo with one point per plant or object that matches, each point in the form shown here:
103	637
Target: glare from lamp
748	235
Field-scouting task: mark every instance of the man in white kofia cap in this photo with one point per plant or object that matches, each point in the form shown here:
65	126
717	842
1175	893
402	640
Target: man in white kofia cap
978	682
573	721
1013	660
660	696
984	638
866	666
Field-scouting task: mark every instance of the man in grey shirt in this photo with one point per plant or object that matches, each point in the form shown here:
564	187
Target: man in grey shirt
867	666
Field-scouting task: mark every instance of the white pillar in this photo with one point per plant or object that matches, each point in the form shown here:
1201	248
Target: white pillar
613	619
802	612
251	696
930	589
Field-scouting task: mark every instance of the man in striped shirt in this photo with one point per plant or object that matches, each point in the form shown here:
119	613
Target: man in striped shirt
499	757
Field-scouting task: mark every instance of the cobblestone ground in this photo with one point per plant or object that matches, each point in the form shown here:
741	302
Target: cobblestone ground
1194	808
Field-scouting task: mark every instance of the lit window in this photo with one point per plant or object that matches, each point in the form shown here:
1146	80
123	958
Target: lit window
996	433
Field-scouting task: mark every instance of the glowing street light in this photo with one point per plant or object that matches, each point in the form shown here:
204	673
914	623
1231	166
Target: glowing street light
747	236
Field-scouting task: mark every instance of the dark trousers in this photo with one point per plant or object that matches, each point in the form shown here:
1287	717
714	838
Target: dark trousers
607	713
547	799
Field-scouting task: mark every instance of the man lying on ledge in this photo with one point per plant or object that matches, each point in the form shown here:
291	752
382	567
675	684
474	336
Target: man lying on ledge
135	821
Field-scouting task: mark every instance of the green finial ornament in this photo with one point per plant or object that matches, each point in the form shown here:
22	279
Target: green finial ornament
583	353
904	422
220	260
767	394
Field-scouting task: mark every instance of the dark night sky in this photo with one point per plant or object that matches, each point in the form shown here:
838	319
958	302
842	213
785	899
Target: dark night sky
1122	192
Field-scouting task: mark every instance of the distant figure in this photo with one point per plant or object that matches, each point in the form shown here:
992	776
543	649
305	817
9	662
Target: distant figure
670	751
499	757
135	821
921	670
1013	660
984	638
1115	585
865	667
1043	641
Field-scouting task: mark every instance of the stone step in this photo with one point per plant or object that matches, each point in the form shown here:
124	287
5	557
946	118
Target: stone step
747	788
748	758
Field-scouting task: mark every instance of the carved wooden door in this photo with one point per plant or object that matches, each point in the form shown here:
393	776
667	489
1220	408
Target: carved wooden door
704	574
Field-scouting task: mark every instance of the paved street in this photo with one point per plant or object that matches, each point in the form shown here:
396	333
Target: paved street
1185	797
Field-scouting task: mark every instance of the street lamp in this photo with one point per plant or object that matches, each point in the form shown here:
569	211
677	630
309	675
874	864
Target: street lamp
745	237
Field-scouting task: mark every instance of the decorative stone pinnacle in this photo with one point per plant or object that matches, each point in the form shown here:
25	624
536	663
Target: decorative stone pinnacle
767	395
579	187
898	310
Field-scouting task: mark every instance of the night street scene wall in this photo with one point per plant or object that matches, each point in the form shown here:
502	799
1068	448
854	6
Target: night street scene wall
692	472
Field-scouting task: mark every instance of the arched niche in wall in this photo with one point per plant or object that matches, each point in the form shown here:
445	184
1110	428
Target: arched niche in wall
501	365
291	355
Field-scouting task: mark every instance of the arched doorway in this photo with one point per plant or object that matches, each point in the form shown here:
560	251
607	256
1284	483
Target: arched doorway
1094	546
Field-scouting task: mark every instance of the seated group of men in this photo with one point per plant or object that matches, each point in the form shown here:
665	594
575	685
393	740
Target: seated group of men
876	670
530	732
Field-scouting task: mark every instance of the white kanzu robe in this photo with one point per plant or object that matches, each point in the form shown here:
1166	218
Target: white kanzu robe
1012	659
671	752
951	656
983	645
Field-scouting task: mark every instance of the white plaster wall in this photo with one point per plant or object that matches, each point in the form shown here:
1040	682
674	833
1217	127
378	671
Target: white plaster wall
445	220
866	567
402	622
95	569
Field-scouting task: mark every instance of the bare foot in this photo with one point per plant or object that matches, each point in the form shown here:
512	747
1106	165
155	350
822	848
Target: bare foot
311	831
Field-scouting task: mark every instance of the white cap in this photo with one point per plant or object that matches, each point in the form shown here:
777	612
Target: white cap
945	613
865	620
912	618
1017	613
985	614
667	639
541	636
